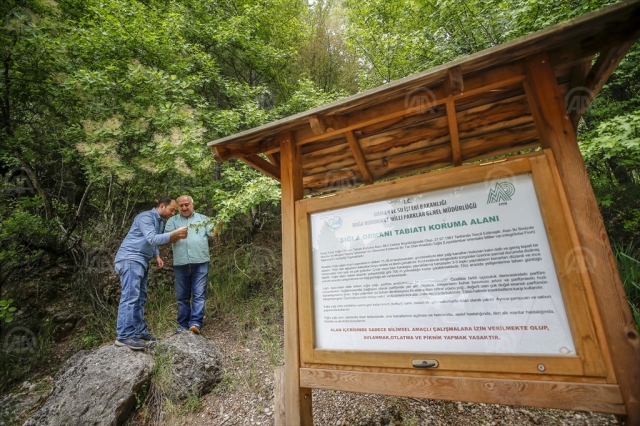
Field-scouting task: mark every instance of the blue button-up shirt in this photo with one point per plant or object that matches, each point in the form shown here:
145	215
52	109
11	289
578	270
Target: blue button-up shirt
143	239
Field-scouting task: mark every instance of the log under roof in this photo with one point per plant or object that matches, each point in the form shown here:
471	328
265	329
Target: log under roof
470	109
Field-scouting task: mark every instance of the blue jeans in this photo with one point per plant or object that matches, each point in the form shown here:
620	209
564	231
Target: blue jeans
191	292
133	278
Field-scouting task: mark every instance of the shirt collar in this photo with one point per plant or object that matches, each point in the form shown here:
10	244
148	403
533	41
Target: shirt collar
155	214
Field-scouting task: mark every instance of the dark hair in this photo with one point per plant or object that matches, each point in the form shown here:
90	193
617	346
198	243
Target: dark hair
164	200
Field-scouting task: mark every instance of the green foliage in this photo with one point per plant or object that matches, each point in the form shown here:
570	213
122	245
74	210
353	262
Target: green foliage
396	38
25	236
617	138
628	260
6	310
609	137
24	355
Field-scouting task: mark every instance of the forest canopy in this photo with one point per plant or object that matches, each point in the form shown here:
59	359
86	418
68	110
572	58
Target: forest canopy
107	105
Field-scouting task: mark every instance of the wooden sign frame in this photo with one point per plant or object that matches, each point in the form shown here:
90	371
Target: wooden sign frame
584	374
589	359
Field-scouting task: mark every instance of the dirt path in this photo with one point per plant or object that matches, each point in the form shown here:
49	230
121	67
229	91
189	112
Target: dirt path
245	397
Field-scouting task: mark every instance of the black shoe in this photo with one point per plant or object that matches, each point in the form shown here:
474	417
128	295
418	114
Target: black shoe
131	342
146	336
180	330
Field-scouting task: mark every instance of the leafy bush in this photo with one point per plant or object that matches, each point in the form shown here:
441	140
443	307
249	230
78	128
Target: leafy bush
628	259
6	310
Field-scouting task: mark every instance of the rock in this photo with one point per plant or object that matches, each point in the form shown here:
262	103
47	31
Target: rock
195	364
96	388
19	404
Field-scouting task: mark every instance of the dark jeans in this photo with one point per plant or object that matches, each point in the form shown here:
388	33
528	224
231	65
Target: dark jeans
191	293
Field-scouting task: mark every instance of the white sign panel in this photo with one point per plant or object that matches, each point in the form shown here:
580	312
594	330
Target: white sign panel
460	270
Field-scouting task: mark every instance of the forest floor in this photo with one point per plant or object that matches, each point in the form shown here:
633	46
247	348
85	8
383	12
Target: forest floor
245	397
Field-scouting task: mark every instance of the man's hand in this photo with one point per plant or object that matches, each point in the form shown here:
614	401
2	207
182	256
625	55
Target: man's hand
178	234
159	261
217	228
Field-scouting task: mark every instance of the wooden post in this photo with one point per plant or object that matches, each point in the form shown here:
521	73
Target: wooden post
556	132
278	397
297	400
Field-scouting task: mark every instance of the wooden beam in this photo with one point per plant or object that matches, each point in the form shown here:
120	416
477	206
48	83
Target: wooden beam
263	165
219	153
361	161
454	84
547	394
297	399
579	98
453	133
278	396
577	75
406	106
337	125
222	153
617	322
274	159
318	125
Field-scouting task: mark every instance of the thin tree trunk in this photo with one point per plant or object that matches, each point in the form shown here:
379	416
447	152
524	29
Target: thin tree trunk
46	201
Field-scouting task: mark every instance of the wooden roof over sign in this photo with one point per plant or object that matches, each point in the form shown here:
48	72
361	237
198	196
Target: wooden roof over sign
470	109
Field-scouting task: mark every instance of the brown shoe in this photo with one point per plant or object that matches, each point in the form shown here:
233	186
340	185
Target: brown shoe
195	329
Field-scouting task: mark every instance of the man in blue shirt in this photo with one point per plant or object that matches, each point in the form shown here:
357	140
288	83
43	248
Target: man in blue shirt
132	265
191	264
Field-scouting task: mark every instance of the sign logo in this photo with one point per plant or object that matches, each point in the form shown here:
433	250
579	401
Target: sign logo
502	192
334	222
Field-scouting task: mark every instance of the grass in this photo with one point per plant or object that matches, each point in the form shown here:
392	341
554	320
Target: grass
628	260
24	355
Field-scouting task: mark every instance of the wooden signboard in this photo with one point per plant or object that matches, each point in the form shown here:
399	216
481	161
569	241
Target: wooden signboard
489	279
465	273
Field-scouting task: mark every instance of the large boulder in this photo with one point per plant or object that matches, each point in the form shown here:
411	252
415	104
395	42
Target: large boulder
196	365
96	388
24	401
